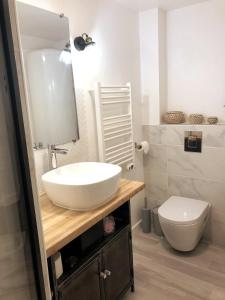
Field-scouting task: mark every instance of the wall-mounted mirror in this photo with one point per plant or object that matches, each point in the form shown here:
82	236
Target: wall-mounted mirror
49	80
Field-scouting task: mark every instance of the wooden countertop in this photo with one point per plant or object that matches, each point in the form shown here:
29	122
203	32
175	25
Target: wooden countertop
61	226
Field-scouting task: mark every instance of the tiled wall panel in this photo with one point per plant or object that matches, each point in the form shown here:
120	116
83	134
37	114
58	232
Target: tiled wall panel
169	170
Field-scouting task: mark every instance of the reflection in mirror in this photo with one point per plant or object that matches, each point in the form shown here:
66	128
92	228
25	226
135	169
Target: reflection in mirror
49	79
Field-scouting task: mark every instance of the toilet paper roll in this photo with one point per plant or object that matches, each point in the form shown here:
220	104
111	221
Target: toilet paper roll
143	146
58	264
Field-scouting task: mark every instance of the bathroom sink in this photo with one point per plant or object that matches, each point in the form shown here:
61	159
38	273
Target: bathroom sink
82	186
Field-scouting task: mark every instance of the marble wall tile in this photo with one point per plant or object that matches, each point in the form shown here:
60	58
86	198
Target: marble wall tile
155	172
156	160
163	134
169	170
213	135
210	164
175	133
155	134
156	188
215	232
151	134
207	190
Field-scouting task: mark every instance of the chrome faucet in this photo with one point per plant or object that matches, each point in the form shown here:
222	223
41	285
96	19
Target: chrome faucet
52	157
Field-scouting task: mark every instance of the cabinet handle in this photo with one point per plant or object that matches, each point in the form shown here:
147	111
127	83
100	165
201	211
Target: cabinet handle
105	274
108	273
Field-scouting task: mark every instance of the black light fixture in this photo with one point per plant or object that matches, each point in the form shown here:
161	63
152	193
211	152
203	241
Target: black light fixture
81	42
67	47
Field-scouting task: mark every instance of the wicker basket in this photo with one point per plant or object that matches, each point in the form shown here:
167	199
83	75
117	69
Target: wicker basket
174	117
196	119
212	120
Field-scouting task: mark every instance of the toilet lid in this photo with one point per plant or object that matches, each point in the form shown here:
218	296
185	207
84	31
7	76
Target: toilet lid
182	210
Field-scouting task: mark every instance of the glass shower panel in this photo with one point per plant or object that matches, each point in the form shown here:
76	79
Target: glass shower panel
17	279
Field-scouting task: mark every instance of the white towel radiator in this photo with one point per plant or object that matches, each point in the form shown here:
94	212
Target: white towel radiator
114	124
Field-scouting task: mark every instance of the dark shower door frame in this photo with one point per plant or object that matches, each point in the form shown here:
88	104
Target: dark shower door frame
16	109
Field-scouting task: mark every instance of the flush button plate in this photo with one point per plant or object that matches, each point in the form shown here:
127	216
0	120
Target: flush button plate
193	141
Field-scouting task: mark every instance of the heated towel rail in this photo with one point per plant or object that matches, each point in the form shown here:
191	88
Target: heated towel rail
114	124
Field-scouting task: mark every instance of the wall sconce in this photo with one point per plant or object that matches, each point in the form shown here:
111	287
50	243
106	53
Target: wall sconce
67	47
81	42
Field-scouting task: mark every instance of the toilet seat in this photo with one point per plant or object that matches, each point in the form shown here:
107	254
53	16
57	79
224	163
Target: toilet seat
183	211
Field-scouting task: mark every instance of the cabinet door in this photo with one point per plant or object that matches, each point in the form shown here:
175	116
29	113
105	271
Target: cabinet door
118	265
84	284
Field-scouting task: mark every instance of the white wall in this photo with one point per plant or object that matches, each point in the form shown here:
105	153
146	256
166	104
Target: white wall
152	30
114	60
196	58
182	60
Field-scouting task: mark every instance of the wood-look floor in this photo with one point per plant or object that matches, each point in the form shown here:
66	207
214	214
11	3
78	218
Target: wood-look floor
164	274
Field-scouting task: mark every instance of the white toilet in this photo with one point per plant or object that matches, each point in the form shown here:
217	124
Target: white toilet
183	221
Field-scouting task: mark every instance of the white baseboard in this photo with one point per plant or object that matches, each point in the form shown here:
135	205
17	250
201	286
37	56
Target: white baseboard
136	225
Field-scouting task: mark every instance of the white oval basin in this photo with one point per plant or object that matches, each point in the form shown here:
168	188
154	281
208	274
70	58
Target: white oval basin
82	186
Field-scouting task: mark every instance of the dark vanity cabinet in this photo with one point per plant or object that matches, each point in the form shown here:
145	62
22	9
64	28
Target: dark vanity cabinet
97	266
83	284
117	259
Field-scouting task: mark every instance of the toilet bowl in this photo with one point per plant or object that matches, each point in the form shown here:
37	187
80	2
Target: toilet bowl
183	221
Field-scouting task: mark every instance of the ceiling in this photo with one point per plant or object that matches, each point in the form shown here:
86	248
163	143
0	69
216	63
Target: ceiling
140	5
